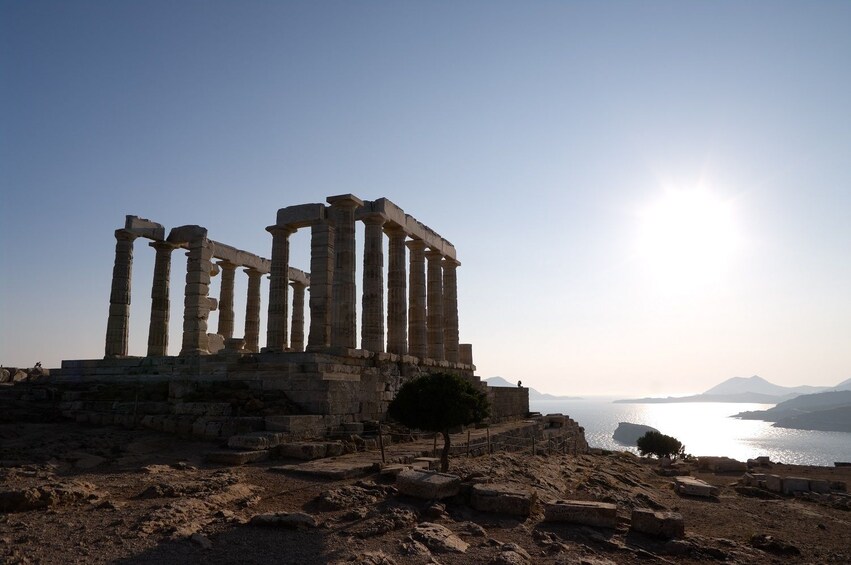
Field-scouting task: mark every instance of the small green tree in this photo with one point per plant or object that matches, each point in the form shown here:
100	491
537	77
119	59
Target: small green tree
438	402
660	445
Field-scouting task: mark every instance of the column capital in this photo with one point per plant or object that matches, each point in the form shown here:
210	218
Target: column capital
433	254
163	246
252	273
226	265
280	230
124	235
297	284
374	220
392	229
449	262
416	245
345	201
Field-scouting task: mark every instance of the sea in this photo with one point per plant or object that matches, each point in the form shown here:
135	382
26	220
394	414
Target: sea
704	428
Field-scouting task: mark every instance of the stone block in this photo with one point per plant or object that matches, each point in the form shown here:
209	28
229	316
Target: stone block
820	486
296	424
795	484
432	463
597	514
694	487
666	525
304	451
300	216
427	485
503	499
186	234
774	483
144	228
236	457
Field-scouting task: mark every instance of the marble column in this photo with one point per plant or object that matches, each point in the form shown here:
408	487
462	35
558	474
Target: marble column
276	321
417	302
252	311
117	325
321	279
397	296
450	309
435	305
372	305
297	330
344	298
226	300
196	301
160	303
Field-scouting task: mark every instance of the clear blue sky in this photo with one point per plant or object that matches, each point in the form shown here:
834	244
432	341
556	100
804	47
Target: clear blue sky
533	135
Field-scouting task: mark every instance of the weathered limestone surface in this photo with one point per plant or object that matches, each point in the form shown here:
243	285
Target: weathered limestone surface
694	487
160	303
372	307
597	514
276	323
344	319
658	524
503	498
119	298
322	276
427	485
417	344
297	330
397	296
228	270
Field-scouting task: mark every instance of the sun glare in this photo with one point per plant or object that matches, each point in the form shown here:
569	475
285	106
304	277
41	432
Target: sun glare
687	238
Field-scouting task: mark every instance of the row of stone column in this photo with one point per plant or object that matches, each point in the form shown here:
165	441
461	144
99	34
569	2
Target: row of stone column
196	301
424	325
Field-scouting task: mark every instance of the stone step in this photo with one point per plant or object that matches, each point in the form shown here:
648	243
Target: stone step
258	440
236	457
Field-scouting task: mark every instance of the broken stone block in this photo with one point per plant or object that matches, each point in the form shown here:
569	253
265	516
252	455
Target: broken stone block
795	484
236	457
427	485
439	538
694	487
305	451
295	520
666	525
503	499
432	463
597	514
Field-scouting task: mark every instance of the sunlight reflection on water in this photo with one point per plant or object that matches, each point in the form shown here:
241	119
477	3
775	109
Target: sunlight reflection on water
705	428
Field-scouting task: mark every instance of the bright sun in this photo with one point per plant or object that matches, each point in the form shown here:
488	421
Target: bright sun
687	238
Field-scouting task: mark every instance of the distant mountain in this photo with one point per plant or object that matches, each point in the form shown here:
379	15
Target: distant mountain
738	385
753	389
533	394
827	411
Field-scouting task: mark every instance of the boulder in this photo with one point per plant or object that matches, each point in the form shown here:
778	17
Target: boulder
597	514
295	520
427	485
438	538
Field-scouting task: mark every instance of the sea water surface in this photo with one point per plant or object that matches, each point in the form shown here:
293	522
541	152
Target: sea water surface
705	428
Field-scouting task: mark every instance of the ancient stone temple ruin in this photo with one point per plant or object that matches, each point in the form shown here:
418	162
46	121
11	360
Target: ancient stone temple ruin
330	379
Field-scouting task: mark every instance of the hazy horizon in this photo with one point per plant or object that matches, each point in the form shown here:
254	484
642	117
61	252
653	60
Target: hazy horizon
646	198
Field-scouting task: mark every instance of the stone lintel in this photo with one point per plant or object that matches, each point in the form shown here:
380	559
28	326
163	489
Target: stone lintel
182	235
301	216
143	227
241	258
417	230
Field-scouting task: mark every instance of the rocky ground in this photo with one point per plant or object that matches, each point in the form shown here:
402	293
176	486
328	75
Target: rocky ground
76	494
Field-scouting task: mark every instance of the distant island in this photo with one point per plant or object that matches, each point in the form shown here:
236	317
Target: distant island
753	390
533	394
824	411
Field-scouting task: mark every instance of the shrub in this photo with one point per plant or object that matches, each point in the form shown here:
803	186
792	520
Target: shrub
660	445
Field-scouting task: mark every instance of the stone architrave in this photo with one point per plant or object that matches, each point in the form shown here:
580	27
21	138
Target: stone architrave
344	316
450	309
117	325
297	329
372	305
276	322
397	297
160	303
435	305
321	280
252	311
226	300
196	301
417	304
